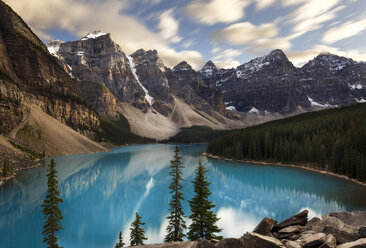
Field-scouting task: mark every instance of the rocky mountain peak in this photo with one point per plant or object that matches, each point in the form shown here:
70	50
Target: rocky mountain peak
182	66
94	35
331	61
276	56
53	46
138	53
208	70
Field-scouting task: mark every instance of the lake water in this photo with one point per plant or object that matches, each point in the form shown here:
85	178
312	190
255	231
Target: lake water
103	191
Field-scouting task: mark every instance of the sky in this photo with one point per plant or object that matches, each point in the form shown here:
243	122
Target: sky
228	32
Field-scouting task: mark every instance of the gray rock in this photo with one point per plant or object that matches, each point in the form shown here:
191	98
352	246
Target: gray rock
230	243
298	219
361	243
330	242
291	229
203	243
265	226
255	240
355	218
362	231
191	244
311	223
341	231
314	240
292	244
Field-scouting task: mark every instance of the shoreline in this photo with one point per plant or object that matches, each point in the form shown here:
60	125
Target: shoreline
3	180
324	172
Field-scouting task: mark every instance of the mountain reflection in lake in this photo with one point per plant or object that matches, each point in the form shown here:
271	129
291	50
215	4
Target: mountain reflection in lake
102	192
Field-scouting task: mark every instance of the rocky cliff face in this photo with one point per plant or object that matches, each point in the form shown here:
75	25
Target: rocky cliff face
188	84
30	75
140	79
97	58
272	84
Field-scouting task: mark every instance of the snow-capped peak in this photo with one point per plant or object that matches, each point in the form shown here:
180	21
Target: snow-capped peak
208	70
53	46
94	35
332	61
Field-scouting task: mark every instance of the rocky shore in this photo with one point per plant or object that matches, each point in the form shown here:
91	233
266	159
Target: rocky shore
303	167
333	230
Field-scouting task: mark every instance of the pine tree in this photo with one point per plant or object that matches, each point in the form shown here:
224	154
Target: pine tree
177	224
51	210
203	219
137	235
120	243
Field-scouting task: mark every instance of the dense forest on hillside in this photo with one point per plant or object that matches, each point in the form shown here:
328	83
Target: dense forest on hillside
196	134
118	132
334	140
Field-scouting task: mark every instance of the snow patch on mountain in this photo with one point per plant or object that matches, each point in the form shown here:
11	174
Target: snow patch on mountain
361	100
54	46
316	104
253	110
232	108
148	98
94	35
355	86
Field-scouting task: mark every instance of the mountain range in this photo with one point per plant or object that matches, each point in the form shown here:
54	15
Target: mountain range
78	85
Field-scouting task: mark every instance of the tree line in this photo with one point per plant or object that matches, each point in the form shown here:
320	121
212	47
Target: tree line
333	140
202	216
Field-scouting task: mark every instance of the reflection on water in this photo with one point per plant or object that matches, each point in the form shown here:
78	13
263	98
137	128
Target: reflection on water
102	192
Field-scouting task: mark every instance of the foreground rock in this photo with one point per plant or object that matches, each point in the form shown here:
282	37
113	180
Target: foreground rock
334	230
257	240
361	243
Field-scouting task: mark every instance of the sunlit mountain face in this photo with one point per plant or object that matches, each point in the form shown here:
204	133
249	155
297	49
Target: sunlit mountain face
229	32
102	193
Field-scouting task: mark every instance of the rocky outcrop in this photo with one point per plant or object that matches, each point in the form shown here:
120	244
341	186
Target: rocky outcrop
30	75
97	58
187	84
300	234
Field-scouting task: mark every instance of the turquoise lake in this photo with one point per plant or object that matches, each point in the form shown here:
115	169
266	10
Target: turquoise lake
103	191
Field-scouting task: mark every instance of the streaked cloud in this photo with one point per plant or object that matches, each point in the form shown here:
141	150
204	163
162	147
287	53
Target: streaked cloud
227	58
217	11
245	32
263	4
85	17
344	31
310	14
169	27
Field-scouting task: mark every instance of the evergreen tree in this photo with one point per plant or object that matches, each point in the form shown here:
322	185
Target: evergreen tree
120	243
137	235
51	210
203	218
177	224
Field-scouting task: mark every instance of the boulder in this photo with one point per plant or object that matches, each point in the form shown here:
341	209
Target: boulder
362	231
203	243
265	226
361	243
298	219
255	240
311	223
230	243
314	240
190	244
291	229
355	218
342	232
330	242
292	244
